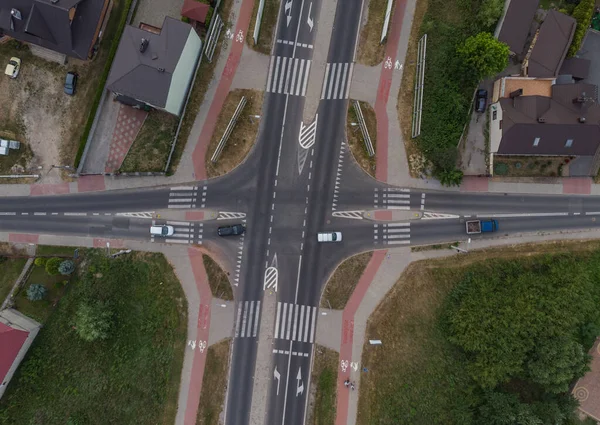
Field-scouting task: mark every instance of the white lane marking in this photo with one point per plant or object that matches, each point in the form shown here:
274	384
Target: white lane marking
333	74
178	223
271	63
14	213
277	320
179	188
293	63
295	323
524	215
337	81
312	328
399	242
325	81
593	213
256	319
181	241
283	321
398	224
301	323
349	81
244	319
394	230
397	236
250	317
179	206
39	213
289	321
75	214
397	207
306	73
396	195
237	322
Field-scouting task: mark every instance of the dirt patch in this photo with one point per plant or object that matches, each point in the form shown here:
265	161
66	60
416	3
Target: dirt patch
407	92
526	166
356	140
152	145
214	383
323	387
220	287
344	279
370	51
267	27
242	137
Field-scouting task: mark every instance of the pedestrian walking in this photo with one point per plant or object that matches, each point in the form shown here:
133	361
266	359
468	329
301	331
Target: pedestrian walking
347	382
352	386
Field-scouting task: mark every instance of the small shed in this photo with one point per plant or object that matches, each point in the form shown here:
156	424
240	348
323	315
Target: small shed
195	11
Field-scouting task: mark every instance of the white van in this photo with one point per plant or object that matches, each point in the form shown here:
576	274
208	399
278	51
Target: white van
329	236
161	230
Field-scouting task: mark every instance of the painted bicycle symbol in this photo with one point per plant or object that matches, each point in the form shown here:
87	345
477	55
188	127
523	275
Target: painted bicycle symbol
201	346
240	36
388	63
344	365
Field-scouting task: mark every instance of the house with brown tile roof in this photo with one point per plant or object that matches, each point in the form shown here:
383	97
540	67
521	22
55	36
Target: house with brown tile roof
516	24
527	86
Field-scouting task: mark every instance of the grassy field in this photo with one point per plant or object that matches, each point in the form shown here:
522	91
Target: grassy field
41	310
323	386
204	76
214	384
11	269
267	27
344	279
417	376
131	377
217	279
242	137
152	145
370	50
355	138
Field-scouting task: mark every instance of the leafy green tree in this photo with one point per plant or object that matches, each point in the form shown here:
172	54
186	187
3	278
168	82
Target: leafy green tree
66	267
556	361
490	12
582	13
52	266
506	409
40	261
450	177
36	292
93	320
484	54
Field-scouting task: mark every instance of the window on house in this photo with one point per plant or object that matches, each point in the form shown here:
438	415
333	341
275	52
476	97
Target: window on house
536	141
569	143
494	115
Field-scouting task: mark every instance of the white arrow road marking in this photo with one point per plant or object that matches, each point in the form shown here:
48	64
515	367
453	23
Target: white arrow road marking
277	375
288	7
299	385
310	21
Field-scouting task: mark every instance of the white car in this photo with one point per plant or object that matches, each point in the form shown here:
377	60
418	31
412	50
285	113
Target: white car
329	236
13	67
161	230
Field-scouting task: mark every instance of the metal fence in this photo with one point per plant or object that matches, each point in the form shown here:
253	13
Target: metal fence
363	129
213	36
228	130
261	6
419	82
386	22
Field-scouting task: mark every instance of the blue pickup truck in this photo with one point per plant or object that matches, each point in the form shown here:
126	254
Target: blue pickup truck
481	226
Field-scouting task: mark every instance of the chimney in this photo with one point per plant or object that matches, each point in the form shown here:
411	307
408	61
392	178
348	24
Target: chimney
582	120
541	120
516	93
161	70
144	45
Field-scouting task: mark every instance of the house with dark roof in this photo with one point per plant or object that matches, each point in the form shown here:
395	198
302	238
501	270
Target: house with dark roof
516	24
156	69
17	332
565	124
69	27
549	46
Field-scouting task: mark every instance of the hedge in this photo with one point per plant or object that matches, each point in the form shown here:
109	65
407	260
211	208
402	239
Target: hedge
583	13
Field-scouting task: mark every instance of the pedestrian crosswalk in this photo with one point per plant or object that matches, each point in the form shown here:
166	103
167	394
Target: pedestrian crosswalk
392	198
294	322
338	77
248	319
392	233
187	197
184	232
288	75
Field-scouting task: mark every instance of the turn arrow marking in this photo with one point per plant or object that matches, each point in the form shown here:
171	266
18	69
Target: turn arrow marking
310	21
286	7
277	376
300	385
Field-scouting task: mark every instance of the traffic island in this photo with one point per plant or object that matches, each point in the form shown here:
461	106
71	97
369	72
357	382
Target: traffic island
356	138
371	49
218	280
323	386
214	383
344	279
266	33
238	143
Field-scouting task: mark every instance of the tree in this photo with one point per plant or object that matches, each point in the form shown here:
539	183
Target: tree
36	292
52	266
66	267
556	362
506	409
40	261
489	13
450	177
485	55
93	320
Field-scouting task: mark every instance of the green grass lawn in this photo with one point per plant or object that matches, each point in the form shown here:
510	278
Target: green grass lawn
57	251
11	269
40	310
324	386
130	378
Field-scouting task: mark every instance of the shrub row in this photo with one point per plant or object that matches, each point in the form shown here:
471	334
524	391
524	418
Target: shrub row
583	13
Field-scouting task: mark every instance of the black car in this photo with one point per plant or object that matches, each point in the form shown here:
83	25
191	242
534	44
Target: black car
234	230
481	100
71	83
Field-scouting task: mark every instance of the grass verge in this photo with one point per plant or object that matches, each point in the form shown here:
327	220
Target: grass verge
16	160
214	383
242	137
11	269
417	376
130	377
323	386
344	279
217	279
370	50
152	145
355	137
56	251
103	62
204	75
267	27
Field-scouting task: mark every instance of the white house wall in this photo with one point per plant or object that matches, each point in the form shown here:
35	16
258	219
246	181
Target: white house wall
183	74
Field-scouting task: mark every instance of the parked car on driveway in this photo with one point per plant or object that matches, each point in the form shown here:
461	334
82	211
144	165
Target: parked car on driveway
481	100
234	230
71	83
13	67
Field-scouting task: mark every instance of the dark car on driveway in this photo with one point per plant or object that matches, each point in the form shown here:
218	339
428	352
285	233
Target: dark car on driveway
234	230
71	83
481	100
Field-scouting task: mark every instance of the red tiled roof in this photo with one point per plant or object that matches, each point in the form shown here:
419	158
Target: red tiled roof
195	10
11	341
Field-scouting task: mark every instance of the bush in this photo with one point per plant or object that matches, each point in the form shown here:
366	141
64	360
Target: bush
52	266
500	168
489	13
209	15
40	261
93	320
66	267
583	13
36	292
450	177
